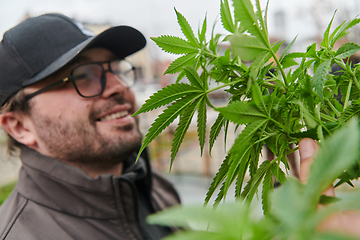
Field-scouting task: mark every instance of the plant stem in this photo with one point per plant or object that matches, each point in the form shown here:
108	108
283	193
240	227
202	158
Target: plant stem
348	94
279	124
332	107
264	138
272	86
279	66
222	86
292	150
327	117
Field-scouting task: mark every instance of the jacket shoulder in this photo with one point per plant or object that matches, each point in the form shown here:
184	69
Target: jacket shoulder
24	219
163	191
10	211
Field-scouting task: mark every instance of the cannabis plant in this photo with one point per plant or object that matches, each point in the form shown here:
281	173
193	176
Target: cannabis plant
279	98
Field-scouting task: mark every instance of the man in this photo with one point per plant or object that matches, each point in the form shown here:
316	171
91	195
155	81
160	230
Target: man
66	103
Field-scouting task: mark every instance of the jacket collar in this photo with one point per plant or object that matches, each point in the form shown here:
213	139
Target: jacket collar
67	189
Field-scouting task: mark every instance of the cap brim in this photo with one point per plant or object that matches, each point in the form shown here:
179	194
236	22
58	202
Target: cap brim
121	40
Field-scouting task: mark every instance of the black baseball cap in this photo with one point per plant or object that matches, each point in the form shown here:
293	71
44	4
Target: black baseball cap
39	46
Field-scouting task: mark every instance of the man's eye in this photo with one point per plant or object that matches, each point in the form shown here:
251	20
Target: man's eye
80	76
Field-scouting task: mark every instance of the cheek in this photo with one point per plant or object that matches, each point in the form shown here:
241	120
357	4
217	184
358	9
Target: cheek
62	107
131	98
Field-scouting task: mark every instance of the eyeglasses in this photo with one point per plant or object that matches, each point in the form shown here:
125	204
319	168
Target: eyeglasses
89	79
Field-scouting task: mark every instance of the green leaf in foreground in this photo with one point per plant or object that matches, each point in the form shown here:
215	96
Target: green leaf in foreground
174	45
215	131
244	13
319	78
184	123
178	64
226	17
167	117
347	50
167	95
186	29
201	123
336	154
241	112
230	221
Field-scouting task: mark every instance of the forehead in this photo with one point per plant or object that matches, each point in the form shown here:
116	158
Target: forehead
94	55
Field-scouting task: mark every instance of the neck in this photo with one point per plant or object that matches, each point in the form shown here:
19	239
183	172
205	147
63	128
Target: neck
94	170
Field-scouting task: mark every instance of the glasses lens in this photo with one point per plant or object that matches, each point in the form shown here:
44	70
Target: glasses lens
124	71
87	79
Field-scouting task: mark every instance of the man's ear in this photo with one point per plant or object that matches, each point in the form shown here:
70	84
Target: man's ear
19	127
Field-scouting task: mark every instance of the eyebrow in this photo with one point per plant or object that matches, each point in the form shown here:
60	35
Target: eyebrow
79	60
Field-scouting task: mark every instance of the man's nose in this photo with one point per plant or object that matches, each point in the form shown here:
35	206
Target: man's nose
114	85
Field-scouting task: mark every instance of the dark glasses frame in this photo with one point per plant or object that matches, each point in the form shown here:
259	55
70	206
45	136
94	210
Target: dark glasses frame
74	78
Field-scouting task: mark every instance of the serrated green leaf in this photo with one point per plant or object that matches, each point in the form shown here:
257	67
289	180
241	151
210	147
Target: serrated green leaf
310	120
186	29
244	13
183	126
178	64
220	196
240	150
241	112
341	32
174	45
245	46
166	95
256	180
319	78
287	49
203	31
239	162
214	43
226	18
336	32
193	77
347	50
258	64
288	60
201	123
215	131
289	63
267	187
181	76
167	117
350	111
351	173
326	40
278	173
219	178
257	97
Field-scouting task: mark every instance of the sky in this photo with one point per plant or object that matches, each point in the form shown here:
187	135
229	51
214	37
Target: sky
157	17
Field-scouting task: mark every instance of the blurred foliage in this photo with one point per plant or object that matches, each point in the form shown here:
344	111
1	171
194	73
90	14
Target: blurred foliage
5	191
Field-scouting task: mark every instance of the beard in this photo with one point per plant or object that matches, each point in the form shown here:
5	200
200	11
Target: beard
81	142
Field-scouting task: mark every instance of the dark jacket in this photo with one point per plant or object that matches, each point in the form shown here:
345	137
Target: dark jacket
53	200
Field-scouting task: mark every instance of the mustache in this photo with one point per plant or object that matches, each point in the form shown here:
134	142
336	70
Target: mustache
115	100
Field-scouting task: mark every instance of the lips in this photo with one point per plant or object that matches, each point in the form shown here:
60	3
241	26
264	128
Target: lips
115	115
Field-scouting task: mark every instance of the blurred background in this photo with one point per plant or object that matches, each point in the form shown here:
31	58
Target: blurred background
191	173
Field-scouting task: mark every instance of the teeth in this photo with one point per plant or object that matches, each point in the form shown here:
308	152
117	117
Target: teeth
114	116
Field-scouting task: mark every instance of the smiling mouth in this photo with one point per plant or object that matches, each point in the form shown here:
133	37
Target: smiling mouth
114	116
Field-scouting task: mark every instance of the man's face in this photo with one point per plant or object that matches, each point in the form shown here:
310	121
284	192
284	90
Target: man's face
71	128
